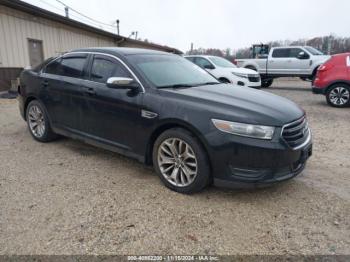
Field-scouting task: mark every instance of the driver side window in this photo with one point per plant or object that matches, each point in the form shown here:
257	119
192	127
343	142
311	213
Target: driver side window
294	52
105	67
202	62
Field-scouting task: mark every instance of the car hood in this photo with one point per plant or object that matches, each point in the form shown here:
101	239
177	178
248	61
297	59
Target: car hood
322	58
240	70
240	104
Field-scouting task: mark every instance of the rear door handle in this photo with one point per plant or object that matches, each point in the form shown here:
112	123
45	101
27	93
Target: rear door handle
90	91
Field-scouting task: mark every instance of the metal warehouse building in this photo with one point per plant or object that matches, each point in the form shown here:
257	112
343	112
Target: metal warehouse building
29	35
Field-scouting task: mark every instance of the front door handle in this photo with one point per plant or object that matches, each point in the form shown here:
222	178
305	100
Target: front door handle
45	83
90	91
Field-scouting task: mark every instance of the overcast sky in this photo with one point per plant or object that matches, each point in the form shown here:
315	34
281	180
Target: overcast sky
216	23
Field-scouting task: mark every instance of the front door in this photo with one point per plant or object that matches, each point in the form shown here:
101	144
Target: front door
110	115
36	54
298	66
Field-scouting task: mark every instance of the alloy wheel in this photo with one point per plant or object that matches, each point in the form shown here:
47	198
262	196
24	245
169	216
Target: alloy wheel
36	121
177	162
339	96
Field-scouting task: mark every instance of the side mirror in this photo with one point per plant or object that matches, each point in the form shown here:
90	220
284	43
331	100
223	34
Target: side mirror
122	83
209	67
303	55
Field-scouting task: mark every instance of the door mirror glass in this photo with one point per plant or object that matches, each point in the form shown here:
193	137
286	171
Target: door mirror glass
303	55
122	83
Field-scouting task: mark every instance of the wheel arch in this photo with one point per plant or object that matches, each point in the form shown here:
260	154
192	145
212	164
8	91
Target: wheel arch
170	124
314	72
29	99
344	82
252	67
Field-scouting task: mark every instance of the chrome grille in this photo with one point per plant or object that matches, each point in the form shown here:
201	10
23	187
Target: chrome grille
296	133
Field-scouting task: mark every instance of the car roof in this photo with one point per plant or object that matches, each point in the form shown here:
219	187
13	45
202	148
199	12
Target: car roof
124	51
204	56
291	46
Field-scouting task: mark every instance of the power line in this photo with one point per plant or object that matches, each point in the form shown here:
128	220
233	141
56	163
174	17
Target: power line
92	19
52	6
84	18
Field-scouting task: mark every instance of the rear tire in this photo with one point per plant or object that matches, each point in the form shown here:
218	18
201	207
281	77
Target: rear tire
181	161
338	95
266	83
38	122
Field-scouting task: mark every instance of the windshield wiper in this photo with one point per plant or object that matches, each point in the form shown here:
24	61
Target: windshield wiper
208	83
176	86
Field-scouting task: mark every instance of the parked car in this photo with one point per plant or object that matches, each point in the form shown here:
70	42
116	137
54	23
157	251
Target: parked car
290	61
160	108
225	71
333	80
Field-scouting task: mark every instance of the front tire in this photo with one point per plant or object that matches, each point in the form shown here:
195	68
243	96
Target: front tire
38	122
181	162
266	83
338	95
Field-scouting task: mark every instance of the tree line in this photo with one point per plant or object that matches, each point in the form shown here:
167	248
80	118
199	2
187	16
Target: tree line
327	44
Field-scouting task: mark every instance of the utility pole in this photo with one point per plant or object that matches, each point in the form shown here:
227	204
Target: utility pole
329	44
191	50
66	9
136	33
132	33
117	26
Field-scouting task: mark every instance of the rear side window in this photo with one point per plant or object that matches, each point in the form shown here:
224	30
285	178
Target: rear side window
68	66
72	66
280	53
42	65
104	68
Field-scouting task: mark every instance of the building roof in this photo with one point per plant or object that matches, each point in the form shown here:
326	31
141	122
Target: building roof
37	11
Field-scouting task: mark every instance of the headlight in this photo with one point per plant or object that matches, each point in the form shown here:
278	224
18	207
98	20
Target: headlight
248	130
240	75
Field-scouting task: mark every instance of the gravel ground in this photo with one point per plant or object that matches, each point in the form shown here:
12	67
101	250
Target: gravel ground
66	197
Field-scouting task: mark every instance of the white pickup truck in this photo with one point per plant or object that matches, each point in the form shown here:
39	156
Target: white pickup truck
289	61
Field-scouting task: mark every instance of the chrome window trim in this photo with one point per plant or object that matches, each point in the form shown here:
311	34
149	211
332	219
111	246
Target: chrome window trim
308	139
97	53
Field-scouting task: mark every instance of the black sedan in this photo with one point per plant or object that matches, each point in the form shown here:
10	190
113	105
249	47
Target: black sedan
163	110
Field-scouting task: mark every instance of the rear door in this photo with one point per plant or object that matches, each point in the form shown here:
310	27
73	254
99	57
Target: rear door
110	115
63	91
277	62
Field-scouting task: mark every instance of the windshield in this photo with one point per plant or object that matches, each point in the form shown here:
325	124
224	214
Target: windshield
171	71
313	51
221	62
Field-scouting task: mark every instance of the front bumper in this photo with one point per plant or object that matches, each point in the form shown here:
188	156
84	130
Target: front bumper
246	82
250	163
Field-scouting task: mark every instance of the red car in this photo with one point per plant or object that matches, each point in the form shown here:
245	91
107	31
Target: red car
333	80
